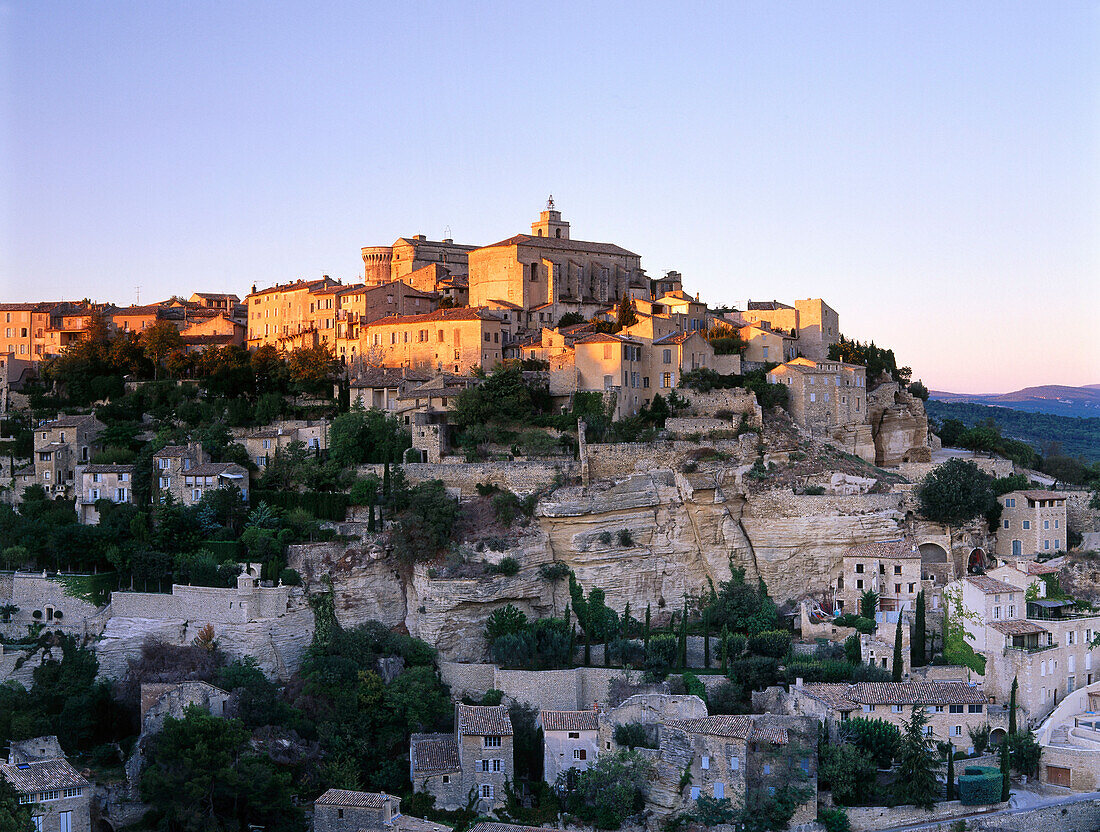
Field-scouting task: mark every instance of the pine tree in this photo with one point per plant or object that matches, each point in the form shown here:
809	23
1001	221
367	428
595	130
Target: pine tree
897	668
917	655
1012	707
916	767
626	316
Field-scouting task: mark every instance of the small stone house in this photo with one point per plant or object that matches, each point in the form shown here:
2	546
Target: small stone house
60	447
892	568
185	472
103	482
61	795
1032	522
570	740
475	760
340	810
823	394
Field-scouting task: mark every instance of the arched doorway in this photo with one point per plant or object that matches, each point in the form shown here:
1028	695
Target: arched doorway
932	553
996	737
976	562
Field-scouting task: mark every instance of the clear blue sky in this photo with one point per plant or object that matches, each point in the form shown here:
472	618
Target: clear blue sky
930	169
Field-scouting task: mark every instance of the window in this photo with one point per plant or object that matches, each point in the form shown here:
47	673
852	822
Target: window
897	569
897	589
53	794
446	778
859	584
37	823
163	463
735	764
705	762
574	735
804	764
719	791
957	731
487	791
666	380
974	709
813	397
1027	524
928	730
956	709
859	568
492	742
896	709
667	357
1006	524
912	587
695	792
996	612
767	768
579	754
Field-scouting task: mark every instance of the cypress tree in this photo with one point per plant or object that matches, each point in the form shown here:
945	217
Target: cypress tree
950	771
917	654
386	479
724	648
897	668
1012	707
645	634
684	638
706	638
626	621
1004	771
370	514
587	648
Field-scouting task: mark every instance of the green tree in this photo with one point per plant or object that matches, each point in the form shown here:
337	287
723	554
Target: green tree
1012	706
956	492
1004	771
897	668
202	777
917	654
916	764
868	604
14	816
1025	752
159	341
611	790
848	771
948	752
625	315
425	525
877	738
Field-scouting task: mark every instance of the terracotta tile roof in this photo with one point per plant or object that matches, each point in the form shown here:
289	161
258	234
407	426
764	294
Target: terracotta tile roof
562	245
68	422
900	548
216	469
216	296
1043	495
505	827
674	338
434	752
605	338
1034	568
462	313
850	697
343	797
105	468
46	775
719	726
768	305
569	720
989	585
18	307
507	304
388	376
408	823
198	340
775	734
297	285
484	720
174	451
1016	628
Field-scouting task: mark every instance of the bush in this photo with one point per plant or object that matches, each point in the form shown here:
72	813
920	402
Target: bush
864	625
324	505
834	820
978	785
774	643
625	537
660	654
816	491
876	738
636	735
553	571
290	577
508	566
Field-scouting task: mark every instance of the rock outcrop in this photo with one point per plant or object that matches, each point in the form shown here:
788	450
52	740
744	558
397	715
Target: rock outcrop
899	425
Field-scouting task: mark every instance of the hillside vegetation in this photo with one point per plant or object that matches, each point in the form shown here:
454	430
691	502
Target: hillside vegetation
1078	436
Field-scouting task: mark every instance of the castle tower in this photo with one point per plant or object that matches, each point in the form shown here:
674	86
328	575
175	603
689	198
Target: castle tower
377	263
550	223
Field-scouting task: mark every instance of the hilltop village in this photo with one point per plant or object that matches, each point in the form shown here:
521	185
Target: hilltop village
517	536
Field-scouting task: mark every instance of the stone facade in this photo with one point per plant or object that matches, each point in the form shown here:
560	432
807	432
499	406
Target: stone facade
61	448
42	599
103	482
1032	522
823	395
451	340
185	472
476	760
891	568
60	794
570	741
263	443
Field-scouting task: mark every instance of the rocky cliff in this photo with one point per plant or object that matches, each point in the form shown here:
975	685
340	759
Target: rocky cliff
899	425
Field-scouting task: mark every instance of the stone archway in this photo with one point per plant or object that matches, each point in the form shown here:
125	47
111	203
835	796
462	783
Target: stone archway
932	553
996	737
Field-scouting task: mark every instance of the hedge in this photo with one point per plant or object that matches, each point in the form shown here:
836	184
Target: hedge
979	785
324	505
223	550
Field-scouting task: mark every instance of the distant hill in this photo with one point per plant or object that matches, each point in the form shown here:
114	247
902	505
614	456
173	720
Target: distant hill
1079	436
1049	398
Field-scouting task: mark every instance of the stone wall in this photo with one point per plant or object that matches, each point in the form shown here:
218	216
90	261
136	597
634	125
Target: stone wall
568	690
870	818
34	593
994	466
520	477
1078	816
1079	516
737	400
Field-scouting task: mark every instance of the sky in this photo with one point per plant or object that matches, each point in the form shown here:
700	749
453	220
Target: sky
931	170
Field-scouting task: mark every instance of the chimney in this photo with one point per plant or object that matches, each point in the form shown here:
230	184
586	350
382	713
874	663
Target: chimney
798	682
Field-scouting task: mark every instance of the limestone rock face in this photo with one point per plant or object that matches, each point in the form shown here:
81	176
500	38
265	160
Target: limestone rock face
366	583
899	424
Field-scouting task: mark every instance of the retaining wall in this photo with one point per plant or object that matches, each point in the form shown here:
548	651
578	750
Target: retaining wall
520	477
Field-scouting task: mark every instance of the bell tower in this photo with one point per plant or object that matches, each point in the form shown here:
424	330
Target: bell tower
550	223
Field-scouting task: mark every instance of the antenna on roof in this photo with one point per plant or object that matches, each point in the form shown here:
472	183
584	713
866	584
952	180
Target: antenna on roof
137	291
446	232
550	203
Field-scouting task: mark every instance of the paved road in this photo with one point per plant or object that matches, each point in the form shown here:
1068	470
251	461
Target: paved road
1028	801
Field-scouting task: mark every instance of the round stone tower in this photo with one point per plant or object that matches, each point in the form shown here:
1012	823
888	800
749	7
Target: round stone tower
376	264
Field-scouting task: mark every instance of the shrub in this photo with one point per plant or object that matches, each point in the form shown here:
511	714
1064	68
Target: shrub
876	738
290	577
774	643
660	655
605	538
834	820
636	735
816	491
508	566
864	625
978	785
553	571
625	537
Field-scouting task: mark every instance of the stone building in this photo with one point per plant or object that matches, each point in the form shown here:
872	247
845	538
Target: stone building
729	757
185	472
264	442
112	482
61	447
474	761
364	305
823	395
282	311
1070	740
548	267
1032	522
447	340
570	740
340	810
812	321
61	795
378	388
765	345
952	708
892	568
38	599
